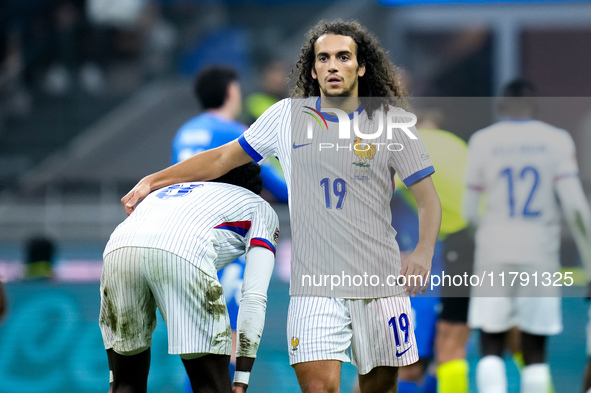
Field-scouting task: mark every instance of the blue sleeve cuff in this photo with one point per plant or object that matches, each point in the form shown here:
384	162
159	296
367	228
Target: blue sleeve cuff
248	149
415	177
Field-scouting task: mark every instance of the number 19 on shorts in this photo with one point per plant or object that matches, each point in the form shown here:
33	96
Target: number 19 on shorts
404	325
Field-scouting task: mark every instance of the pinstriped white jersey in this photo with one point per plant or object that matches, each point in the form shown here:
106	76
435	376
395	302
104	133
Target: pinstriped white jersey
517	163
209	224
340	191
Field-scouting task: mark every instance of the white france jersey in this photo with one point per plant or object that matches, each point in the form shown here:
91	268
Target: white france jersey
339	196
207	223
517	164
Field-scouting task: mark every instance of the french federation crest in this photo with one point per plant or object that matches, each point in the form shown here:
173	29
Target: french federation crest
365	152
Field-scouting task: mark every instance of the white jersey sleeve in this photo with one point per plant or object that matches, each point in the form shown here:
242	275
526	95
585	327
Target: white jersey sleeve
578	215
264	231
253	305
573	200
474	173
412	162
567	161
261	139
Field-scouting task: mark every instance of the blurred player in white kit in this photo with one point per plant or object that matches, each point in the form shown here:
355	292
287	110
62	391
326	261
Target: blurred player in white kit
521	164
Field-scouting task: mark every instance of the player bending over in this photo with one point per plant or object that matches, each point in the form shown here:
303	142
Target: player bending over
165	255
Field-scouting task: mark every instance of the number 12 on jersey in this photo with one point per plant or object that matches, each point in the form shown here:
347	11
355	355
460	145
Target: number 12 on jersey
339	188
528	171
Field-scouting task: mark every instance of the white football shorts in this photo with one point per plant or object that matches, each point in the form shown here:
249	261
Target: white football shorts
136	280
379	332
508	303
533	315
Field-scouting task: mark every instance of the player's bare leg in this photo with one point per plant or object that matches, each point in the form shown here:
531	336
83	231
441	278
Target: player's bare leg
130	372
414	374
379	380
534	348
209	373
535	377
450	352
450	341
587	378
514	346
492	343
514	340
110	372
491	375
321	376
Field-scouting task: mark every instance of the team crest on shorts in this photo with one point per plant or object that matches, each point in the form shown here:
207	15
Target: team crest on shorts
365	152
294	343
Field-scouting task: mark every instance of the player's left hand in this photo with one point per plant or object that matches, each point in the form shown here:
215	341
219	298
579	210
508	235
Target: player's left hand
239	388
416	269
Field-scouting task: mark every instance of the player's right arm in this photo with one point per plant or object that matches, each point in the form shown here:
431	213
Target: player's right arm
578	216
251	315
573	200
260	258
470	204
429	213
257	142
206	165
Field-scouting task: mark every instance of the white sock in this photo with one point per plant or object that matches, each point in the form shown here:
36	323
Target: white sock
491	376
535	378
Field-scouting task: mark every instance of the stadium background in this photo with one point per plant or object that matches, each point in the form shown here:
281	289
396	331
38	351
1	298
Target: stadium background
92	91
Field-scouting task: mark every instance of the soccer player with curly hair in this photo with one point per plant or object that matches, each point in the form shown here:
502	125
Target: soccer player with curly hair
339	205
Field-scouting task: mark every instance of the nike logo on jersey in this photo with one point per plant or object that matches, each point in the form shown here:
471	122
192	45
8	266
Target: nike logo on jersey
298	146
403	352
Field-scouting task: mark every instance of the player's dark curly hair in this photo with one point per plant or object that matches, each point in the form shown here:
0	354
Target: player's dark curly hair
247	176
382	79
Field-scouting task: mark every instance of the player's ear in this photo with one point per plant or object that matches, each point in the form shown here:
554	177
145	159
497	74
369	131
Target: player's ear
313	72
361	70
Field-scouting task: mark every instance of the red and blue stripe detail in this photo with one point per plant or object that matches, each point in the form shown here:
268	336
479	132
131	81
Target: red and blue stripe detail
242	228
239	227
258	241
